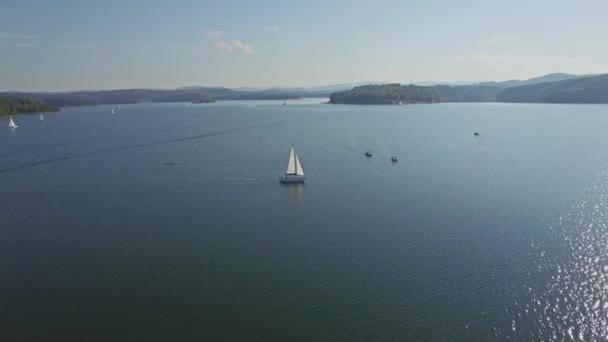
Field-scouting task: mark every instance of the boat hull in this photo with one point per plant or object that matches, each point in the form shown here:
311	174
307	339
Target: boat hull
288	179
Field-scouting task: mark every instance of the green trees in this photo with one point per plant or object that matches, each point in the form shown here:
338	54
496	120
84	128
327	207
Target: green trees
16	105
386	94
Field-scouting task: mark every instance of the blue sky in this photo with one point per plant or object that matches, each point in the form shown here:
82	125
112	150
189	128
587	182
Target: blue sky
67	45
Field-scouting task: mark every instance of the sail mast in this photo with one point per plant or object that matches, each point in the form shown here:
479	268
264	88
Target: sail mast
295	159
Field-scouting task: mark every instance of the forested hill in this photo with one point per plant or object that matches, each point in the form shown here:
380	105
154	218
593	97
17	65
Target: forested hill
393	93
386	94
17	105
126	96
593	89
587	89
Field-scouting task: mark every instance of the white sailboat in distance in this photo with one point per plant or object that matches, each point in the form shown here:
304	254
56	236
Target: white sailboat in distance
41	118
294	173
11	123
113	111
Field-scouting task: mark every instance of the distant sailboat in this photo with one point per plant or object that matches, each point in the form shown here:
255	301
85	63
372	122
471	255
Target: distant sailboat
284	103
41	118
294	173
11	123
400	103
113	111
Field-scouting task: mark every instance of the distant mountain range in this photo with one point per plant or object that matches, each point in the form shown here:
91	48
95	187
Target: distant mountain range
542	79
126	96
552	88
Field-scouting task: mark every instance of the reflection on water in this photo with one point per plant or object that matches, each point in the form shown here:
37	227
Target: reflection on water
573	303
295	192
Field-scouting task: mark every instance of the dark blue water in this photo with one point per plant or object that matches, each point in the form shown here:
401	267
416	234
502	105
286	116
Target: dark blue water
498	237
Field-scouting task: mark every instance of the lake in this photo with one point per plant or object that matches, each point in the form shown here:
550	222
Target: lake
502	236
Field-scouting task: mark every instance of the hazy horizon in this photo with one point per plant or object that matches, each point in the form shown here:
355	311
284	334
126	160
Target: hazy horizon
63	46
263	87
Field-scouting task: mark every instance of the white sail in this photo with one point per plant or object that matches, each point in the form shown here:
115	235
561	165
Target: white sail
112	110
41	117
294	173
291	166
11	123
299	170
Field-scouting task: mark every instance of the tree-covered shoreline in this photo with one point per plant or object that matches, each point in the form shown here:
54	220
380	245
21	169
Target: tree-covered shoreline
386	94
583	89
132	96
20	105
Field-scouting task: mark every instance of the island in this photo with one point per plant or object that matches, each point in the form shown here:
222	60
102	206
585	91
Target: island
19	105
405	94
386	94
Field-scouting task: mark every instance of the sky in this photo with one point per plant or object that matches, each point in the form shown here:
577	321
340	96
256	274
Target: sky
57	45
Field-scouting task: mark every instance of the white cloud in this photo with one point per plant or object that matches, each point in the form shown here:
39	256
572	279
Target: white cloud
236	45
7	35
273	28
244	47
212	33
224	46
24	45
76	46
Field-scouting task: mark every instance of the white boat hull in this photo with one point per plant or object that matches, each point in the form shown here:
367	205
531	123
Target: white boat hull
292	179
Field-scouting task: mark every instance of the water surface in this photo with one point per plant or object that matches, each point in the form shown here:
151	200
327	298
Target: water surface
496	237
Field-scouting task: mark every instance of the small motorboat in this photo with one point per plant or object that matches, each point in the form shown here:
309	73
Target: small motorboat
170	163
394	159
476	134
368	154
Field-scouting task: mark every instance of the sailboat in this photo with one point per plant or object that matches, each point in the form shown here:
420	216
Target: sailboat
113	111
11	123
41	118
294	173
284	103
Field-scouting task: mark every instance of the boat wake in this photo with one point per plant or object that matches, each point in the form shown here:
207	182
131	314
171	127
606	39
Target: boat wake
135	146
